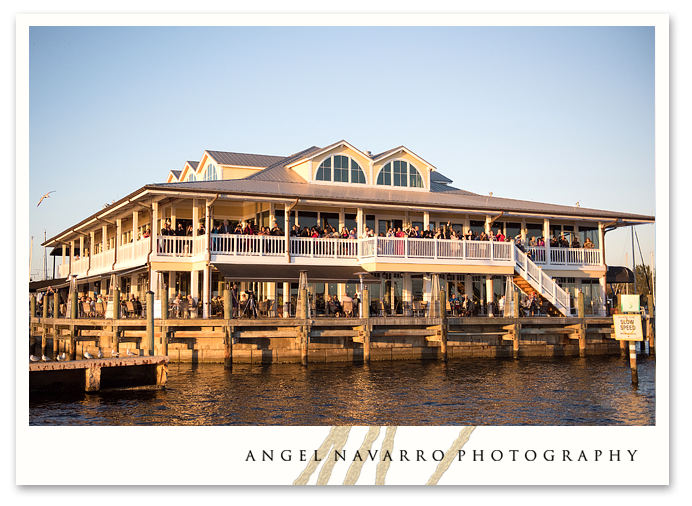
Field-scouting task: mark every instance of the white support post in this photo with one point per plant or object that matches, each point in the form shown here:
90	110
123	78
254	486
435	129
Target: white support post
359	222
601	242
135	226
272	215
154	229
523	231
287	300
195	220
546	236
287	232
342	218
194	283
174	225
206	291
489	296
488	219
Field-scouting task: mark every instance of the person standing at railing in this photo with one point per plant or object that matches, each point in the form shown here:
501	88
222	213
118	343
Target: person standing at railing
500	236
588	244
575	243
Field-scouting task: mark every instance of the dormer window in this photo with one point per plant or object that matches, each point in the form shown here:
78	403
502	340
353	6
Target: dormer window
400	173
212	173
191	177
340	169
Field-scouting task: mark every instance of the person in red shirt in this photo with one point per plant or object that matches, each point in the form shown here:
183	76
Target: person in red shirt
500	236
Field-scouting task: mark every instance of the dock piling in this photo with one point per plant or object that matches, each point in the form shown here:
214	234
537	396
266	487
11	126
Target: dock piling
44	324
228	330
304	332
150	322
650	326
582	325
366	327
73	316
443	326
633	362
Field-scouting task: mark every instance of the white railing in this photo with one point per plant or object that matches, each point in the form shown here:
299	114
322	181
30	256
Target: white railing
575	256
542	283
421	248
246	245
174	246
63	269
328	247
538	254
404	247
133	250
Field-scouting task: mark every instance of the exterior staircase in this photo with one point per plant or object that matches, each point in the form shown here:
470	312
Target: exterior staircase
530	278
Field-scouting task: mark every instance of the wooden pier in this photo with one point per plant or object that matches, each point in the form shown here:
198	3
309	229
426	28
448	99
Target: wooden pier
97	374
284	340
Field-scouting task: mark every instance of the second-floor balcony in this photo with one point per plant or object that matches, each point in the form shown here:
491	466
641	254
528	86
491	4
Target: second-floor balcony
260	248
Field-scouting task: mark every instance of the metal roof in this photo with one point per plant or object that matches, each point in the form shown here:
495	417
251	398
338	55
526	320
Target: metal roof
439	178
243	159
360	194
278	171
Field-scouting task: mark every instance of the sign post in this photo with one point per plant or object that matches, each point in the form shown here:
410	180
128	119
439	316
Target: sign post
628	327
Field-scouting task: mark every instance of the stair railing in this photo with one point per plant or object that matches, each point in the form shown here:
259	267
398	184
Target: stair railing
541	282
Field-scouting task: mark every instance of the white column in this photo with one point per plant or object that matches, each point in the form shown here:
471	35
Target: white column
468	286
118	233
287	299
359	222
601	242
174	225
135	225
71	256
194	283
426	220
523	231
602	290
64	253
154	228
81	246
342	218
207	228
206	295
287	230
195	218
489	291
546	235
172	279
467	223
153	282
487	224
272	214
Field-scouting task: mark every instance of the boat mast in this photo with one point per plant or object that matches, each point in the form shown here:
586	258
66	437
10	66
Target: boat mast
634	263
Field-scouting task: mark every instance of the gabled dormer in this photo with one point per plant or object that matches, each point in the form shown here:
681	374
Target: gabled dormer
343	164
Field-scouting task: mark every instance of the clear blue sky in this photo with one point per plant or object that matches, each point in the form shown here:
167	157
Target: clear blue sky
556	115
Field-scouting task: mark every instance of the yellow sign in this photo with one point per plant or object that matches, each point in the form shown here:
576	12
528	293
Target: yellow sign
628	327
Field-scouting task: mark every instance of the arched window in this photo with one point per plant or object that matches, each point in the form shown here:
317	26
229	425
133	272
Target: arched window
400	173
192	177
345	170
212	173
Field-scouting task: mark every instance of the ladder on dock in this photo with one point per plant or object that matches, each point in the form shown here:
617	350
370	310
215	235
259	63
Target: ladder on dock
529	277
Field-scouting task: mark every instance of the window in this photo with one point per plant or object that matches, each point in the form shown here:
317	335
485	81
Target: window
346	170
192	177
212	173
400	173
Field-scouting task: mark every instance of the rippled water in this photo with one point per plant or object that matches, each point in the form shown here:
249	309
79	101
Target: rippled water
596	390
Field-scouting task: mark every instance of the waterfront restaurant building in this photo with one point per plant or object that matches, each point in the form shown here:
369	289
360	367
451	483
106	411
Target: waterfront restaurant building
340	186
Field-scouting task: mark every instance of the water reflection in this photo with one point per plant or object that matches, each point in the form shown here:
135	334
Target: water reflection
535	391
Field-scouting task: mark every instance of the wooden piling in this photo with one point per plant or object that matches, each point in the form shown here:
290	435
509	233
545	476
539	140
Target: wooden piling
163	297
304	337
582	326
516	304
73	316
150	322
623	344
650	325
366	327
633	362
32	314
116	304
228	330
44	324
443	325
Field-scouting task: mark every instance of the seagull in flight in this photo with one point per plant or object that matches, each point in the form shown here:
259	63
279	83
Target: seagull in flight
44	358
34	359
88	355
115	354
44	197
100	355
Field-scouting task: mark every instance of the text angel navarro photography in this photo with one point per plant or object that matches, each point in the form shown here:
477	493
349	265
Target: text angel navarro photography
548	455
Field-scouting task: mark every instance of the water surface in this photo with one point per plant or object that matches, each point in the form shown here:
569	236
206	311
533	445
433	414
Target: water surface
596	390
